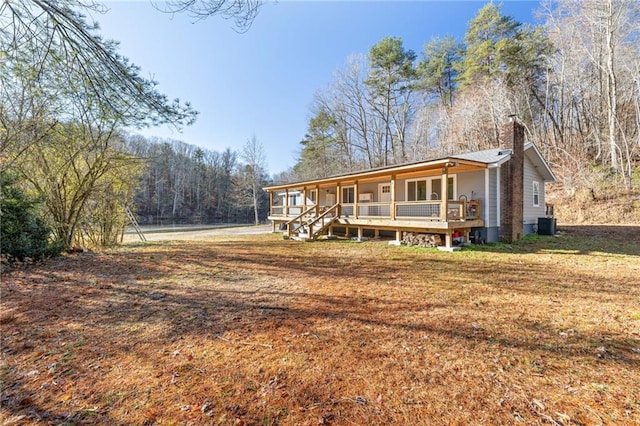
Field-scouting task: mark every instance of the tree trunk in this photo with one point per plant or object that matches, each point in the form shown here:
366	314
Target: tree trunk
612	110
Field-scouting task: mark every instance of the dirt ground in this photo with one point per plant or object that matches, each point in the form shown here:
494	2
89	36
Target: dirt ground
256	330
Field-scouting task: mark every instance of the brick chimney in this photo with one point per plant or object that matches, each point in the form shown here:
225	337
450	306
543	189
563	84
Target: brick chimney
512	182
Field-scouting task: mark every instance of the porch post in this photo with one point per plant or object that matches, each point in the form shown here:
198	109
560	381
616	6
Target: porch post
286	211
444	202
393	197
286	202
355	200
271	204
304	199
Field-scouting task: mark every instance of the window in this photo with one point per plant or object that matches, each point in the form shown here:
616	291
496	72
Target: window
313	196
348	195
385	189
429	189
536	194
417	190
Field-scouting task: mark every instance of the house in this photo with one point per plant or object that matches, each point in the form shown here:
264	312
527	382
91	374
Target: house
490	195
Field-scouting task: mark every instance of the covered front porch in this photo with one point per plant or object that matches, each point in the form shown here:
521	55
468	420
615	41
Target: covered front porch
440	197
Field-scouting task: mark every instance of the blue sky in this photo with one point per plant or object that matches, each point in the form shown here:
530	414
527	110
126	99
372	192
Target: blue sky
262	82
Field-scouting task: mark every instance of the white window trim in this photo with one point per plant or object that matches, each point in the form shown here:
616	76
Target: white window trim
535	193
430	180
311	194
342	189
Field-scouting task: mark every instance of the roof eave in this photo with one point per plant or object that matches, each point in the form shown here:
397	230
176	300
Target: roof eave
385	171
550	177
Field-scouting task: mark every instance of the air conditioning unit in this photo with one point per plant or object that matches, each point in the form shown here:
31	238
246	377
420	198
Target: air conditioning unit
365	197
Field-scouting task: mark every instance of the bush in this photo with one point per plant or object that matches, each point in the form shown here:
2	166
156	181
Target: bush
23	232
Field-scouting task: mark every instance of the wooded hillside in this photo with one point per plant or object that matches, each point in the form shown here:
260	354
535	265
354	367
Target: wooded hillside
67	96
572	81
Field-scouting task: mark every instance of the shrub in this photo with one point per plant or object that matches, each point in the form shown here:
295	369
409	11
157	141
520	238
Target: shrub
23	231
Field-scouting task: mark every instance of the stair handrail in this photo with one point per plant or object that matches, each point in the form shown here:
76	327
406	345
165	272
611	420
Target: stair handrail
336	207
299	218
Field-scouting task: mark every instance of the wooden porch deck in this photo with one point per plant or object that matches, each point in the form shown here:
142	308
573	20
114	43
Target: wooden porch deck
413	216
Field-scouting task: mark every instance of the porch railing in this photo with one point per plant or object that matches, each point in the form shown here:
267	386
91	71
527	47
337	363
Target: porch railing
421	209
429	210
324	220
288	210
301	218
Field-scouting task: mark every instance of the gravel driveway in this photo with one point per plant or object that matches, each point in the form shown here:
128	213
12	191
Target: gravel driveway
186	234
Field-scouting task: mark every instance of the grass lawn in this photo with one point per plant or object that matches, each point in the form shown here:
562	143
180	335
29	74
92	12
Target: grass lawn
257	330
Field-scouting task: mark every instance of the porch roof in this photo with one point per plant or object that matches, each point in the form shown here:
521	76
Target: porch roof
454	164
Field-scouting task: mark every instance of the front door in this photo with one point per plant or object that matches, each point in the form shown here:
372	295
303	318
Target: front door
384	192
384	196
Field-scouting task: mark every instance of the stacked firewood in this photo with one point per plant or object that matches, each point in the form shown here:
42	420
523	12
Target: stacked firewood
421	240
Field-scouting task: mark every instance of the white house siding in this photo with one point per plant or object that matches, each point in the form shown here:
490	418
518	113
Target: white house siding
492	231
530	213
369	187
471	184
401	191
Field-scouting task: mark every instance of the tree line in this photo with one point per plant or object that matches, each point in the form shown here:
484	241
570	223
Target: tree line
183	183
572	81
68	171
66	95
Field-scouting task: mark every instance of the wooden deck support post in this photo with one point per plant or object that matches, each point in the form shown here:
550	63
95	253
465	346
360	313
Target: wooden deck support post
448	240
360	232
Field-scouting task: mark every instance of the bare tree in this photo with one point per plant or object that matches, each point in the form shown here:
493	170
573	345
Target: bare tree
593	87
255	160
242	12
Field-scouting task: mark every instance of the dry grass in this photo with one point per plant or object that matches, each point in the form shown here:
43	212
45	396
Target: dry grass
613	204
258	330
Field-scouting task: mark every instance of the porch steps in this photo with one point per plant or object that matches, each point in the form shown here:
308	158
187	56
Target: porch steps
302	232
299	227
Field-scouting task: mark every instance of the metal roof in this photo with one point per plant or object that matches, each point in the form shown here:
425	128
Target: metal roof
482	159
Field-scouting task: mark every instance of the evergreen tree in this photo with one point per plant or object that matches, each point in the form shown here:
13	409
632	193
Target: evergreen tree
23	231
392	79
437	71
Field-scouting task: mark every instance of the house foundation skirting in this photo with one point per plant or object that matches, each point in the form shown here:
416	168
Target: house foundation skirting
357	227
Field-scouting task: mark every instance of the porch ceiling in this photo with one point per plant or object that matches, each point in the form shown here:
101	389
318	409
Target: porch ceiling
431	168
